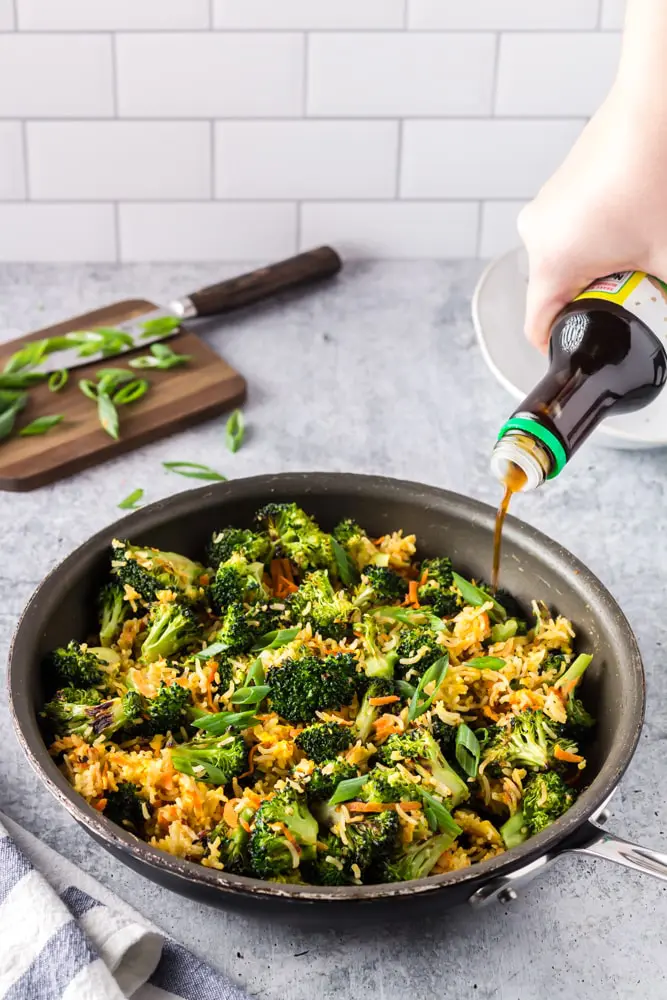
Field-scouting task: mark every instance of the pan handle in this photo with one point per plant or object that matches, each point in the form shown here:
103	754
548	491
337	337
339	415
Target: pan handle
233	293
591	841
605	845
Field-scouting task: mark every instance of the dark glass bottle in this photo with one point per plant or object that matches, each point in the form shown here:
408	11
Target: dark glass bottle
605	358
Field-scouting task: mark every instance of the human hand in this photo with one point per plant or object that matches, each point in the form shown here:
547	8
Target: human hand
604	210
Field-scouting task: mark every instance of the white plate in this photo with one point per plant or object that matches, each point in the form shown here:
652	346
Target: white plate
498	307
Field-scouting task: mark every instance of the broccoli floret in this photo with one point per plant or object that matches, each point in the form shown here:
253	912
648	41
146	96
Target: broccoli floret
418	744
372	842
124	807
515	830
422	642
301	688
235	633
379	687
546	797
437	591
172	627
285	834
324	740
358	545
578	718
388	785
91	721
233	846
316	603
75	666
379	585
528	741
325	779
236	581
166	712
113	609
376	663
298	536
79	696
552	661
148	571
251	544
510	604
264	617
213	759
332	864
415	860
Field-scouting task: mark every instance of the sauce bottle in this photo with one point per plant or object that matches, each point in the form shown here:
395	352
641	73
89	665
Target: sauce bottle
606	357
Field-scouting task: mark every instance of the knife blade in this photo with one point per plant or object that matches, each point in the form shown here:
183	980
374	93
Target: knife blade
99	345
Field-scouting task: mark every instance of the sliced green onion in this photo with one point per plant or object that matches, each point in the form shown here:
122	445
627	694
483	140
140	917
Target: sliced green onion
161	357
21	380
436	673
88	388
131	392
108	415
276	639
348	789
193	470
131	502
251	695
514	831
159	326
234	431
476	596
438	816
256	673
414	617
347	571
212	650
504	630
217	723
9	414
405	689
58	380
41	425
468	750
486	663
575	670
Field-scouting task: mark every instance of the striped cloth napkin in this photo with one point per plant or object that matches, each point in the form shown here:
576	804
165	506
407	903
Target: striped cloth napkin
63	936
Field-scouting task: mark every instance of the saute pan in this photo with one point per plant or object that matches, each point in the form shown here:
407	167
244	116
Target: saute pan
533	567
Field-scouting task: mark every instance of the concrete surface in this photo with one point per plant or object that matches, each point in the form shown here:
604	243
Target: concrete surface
378	373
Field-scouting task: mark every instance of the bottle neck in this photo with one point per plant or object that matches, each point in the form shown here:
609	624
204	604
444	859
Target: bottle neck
520	459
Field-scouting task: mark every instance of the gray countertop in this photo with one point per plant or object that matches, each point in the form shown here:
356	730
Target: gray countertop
377	373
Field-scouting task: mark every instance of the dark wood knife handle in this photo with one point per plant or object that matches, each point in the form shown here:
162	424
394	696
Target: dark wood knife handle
265	282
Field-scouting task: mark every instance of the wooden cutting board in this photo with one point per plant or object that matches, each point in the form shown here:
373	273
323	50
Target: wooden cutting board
178	398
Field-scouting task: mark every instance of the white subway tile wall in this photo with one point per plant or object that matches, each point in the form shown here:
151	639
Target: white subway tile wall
6	15
246	129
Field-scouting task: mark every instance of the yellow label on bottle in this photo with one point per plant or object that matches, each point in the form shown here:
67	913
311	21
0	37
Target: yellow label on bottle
639	293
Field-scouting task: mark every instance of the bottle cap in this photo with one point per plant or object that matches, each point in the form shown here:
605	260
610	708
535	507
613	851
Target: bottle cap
526	423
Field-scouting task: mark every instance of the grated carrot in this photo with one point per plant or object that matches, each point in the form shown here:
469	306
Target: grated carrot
412	598
286	587
209	680
253	798
245	824
288	835
424	578
229	814
286	568
385	725
251	762
488	711
369	807
571	758
387	699
101	805
275	574
204	579
410	806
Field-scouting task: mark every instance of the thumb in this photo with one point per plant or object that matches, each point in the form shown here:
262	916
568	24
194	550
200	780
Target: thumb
544	301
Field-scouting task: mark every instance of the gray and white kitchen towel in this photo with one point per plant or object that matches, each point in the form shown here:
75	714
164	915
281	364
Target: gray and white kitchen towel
63	936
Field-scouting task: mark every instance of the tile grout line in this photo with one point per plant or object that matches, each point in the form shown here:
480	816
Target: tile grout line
26	169
324	31
114	70
480	222
406	4
600	6
116	229
306	68
212	139
399	159
210	15
15	6
496	74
